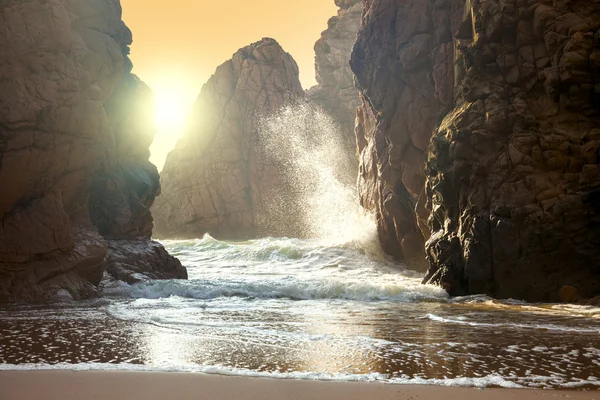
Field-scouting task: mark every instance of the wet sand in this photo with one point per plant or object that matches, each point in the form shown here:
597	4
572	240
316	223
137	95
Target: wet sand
69	385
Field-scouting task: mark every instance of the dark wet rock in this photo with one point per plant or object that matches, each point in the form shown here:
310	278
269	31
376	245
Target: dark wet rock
403	61
134	261
511	169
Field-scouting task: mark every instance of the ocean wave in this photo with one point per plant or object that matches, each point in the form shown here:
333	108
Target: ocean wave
549	327
259	249
211	252
293	289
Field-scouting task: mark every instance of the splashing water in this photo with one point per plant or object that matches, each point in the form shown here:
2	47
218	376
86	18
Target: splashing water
313	152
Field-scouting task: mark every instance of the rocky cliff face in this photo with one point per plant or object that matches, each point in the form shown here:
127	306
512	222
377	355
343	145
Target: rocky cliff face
218	177
513	171
506	191
335	92
403	61
64	155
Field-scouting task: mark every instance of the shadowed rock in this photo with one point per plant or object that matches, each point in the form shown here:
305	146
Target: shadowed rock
60	65
218	177
403	61
508	198
512	168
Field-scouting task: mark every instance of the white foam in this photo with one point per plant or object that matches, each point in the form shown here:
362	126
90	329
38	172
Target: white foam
492	380
480	382
191	368
312	152
291	288
550	327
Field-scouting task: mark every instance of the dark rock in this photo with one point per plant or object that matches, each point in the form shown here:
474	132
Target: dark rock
501	101
335	92
71	147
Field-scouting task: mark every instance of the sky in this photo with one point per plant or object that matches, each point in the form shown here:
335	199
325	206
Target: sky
176	48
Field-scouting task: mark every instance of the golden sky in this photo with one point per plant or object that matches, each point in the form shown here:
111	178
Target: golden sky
178	44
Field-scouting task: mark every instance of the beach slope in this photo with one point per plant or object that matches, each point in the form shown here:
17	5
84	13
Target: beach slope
69	385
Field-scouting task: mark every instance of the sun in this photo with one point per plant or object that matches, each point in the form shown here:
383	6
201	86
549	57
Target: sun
171	110
175	93
172	106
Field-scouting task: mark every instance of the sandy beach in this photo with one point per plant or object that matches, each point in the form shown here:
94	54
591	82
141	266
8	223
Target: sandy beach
68	385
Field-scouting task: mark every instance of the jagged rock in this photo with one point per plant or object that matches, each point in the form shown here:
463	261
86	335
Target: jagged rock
61	63
510	206
512	170
132	261
217	178
402	60
335	92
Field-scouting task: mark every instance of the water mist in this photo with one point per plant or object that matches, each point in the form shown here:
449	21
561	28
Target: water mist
319	163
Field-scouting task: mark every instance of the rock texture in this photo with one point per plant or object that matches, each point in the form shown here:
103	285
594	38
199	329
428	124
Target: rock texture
513	172
478	134
335	92
218	177
64	155
403	61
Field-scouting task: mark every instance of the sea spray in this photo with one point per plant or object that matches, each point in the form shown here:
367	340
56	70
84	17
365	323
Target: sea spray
313	154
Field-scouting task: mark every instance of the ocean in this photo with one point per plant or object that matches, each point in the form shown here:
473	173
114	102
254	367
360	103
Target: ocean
307	309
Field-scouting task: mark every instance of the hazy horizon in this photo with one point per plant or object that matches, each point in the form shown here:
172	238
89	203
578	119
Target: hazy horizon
177	59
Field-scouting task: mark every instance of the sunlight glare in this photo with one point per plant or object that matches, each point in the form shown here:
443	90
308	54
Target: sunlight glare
171	110
173	103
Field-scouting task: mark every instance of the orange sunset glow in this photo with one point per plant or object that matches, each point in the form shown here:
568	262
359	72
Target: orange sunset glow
177	48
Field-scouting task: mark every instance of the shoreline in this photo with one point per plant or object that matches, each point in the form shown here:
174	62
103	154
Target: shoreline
102	385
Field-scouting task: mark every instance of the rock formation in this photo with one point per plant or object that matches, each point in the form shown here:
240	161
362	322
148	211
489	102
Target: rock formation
218	177
403	62
513	171
124	188
506	191
64	154
335	92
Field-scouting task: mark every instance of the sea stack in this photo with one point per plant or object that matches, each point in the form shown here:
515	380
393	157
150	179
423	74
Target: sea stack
218	177
74	170
479	137
335	92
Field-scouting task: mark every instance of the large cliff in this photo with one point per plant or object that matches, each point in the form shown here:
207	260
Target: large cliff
218	178
478	134
335	92
513	171
73	158
403	60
